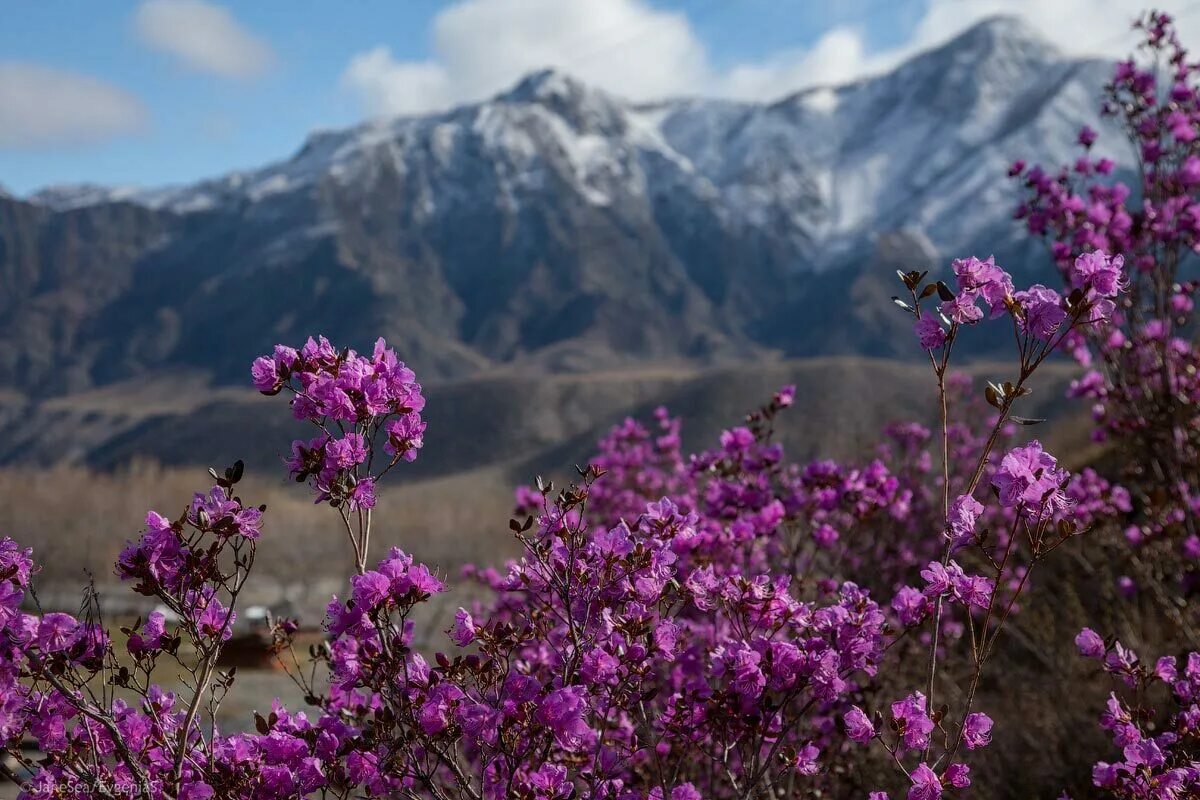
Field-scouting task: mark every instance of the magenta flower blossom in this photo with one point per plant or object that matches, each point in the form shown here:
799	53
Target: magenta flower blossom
361	394
214	619
1090	644
1042	313
371	589
347	452
977	731
973	590
926	785
151	637
913	721
910	605
1030	477
939	580
958	776
57	632
562	712
1099	274
463	632
930	332
858	726
962	309
406	436
984	279
196	790
964	512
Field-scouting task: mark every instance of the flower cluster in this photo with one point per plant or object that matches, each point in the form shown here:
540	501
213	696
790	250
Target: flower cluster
718	625
351	399
194	567
1160	751
676	626
1143	379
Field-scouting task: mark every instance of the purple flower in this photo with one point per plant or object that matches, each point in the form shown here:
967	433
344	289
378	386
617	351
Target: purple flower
347	452
437	711
266	376
195	790
563	713
1099	274
463	632
962	309
985	279
10	601
930	332
939	580
155	559
371	589
858	726
964	512
362	495
551	782
1090	644
686	791
806	759
152	635
910	605
925	784
1145	753
424	581
406	435
977	731
57	632
958	776
1029	476
913	721
973	590
1042	311
825	536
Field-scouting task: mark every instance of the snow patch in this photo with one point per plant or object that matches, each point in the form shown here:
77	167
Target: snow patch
823	101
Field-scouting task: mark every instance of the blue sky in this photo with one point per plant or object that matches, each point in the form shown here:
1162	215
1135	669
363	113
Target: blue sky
167	91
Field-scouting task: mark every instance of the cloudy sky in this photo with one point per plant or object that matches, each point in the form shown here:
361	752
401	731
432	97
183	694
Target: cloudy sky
165	91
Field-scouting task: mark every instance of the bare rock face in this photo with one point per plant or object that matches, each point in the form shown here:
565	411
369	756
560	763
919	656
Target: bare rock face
553	227
907	250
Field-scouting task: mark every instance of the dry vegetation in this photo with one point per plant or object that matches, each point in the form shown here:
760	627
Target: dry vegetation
77	520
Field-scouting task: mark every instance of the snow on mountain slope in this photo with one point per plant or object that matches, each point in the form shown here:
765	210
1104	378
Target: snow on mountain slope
815	166
558	226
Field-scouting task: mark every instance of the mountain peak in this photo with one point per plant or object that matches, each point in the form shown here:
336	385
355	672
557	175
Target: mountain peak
65	196
1003	33
585	108
549	84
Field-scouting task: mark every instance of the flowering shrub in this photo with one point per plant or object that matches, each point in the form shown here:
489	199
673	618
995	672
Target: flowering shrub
674	628
1143	382
1158	751
721	625
1143	377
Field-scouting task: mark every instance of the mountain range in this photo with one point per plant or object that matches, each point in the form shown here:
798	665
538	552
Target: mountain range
551	229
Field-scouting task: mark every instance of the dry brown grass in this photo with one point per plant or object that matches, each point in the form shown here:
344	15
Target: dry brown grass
77	520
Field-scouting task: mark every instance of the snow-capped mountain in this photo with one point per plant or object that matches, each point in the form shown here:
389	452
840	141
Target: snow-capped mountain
553	226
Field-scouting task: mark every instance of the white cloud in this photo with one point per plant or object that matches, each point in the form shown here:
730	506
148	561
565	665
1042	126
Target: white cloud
43	107
640	52
838	56
483	46
1077	27
205	37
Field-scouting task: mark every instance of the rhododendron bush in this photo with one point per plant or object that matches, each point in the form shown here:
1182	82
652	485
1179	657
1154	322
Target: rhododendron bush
725	624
